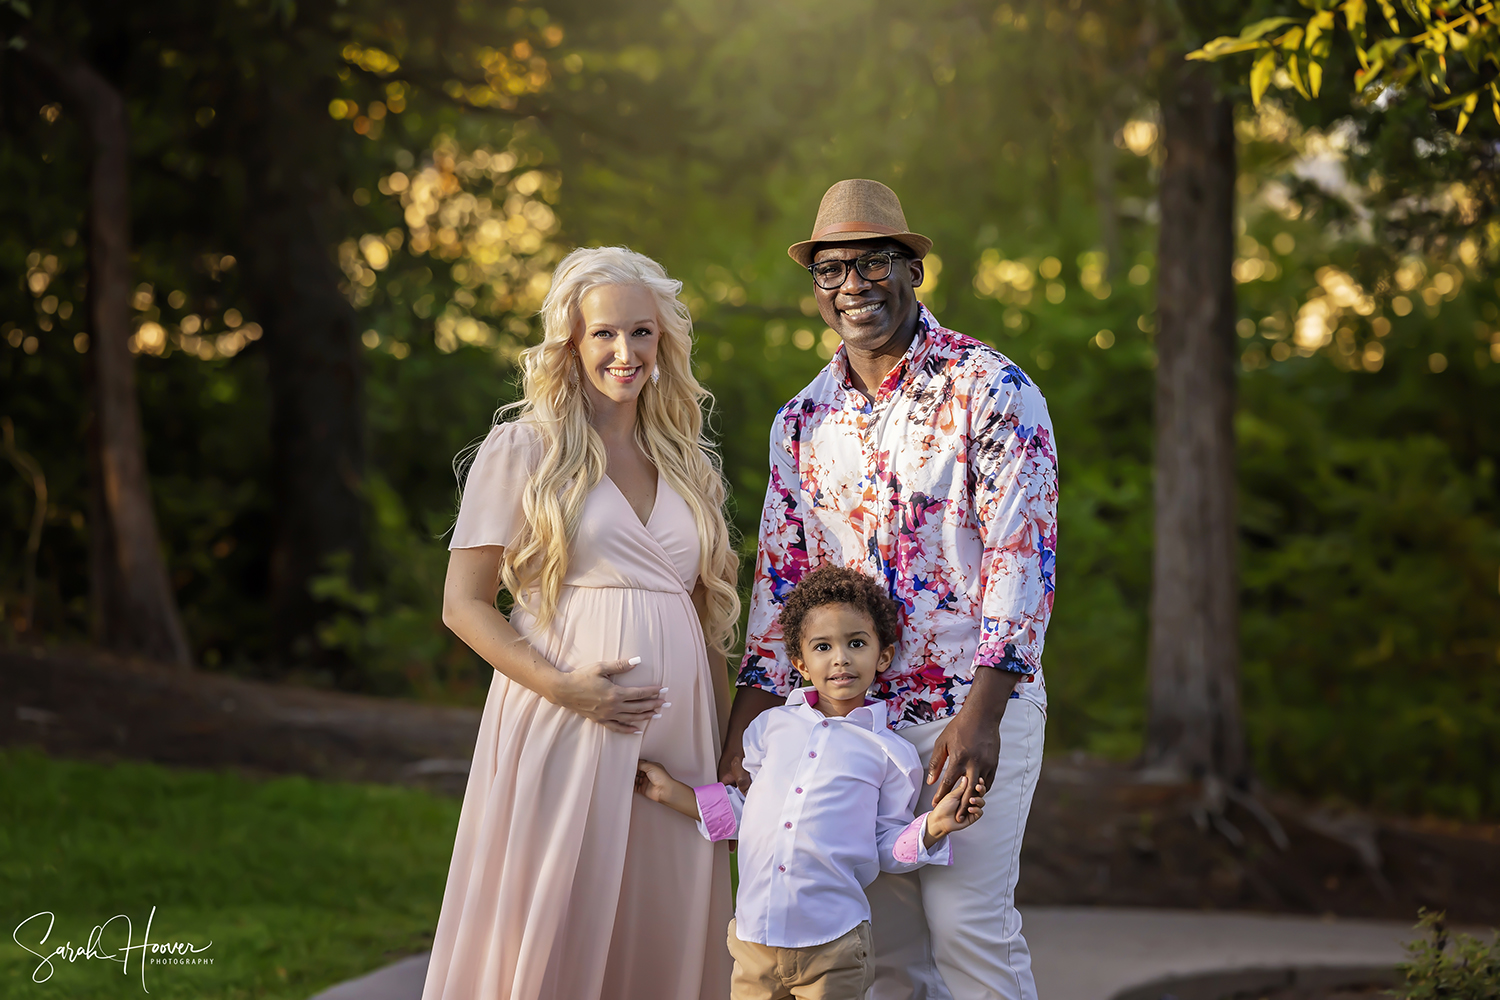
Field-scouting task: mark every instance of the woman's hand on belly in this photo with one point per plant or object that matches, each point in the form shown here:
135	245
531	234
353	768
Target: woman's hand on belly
469	610
590	692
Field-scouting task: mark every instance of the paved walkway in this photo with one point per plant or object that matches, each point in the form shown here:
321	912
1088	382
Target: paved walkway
1083	953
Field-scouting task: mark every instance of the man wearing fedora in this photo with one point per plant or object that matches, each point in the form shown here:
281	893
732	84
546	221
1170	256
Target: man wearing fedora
926	459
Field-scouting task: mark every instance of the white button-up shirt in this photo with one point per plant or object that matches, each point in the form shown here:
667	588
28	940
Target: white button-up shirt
830	806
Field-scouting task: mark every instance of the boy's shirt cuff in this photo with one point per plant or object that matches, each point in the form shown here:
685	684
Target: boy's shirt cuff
911	848
720	807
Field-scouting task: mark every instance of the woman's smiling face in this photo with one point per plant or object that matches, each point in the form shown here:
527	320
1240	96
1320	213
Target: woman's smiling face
617	341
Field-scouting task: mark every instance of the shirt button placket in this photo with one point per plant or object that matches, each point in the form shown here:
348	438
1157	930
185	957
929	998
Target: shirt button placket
817	740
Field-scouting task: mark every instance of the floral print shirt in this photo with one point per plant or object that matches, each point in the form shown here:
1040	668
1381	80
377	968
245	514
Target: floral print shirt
944	487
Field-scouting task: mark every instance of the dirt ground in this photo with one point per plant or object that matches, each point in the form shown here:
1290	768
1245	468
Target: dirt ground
1097	834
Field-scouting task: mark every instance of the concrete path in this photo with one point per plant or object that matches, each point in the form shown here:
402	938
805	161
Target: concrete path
1097	954
401	981
1082	953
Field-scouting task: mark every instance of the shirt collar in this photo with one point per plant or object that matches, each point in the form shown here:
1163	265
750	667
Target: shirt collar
916	351
871	715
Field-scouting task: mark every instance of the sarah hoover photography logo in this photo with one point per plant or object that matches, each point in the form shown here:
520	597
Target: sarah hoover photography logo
112	941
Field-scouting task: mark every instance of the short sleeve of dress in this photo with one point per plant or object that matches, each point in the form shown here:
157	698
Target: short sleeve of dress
490	511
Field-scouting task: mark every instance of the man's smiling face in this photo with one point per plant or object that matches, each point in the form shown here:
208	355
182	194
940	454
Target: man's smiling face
868	315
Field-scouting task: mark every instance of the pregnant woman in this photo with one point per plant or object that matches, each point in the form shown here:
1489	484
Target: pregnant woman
599	507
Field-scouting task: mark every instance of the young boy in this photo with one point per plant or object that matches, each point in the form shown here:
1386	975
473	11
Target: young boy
830	804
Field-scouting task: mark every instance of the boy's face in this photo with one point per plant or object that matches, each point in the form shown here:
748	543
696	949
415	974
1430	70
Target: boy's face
840	656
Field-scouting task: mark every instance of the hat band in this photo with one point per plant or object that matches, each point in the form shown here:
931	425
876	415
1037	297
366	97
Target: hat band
853	227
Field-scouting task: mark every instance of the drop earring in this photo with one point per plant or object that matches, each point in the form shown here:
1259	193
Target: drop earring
573	370
656	375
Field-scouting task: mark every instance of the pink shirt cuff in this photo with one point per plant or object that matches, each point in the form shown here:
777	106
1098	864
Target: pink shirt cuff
909	849
716	812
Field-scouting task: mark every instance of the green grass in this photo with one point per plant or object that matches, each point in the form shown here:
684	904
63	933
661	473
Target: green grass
298	884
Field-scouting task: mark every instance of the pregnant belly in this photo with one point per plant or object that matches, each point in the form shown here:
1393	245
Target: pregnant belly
594	625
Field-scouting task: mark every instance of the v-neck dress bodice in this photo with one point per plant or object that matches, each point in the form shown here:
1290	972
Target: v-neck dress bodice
612	548
564	884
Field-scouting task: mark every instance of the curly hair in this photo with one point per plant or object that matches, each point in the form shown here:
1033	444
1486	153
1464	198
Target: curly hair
834	584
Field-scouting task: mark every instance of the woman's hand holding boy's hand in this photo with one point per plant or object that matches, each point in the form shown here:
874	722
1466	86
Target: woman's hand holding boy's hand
945	818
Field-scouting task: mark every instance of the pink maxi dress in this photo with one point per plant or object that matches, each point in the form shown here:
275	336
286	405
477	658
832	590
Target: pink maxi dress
565	885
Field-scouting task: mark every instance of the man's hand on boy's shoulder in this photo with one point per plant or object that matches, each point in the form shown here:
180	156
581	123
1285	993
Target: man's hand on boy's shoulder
970	744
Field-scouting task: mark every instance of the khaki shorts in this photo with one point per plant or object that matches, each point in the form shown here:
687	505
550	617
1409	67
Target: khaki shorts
839	970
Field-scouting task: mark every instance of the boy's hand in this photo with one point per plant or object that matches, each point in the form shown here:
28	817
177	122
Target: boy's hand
653	781
657	784
945	817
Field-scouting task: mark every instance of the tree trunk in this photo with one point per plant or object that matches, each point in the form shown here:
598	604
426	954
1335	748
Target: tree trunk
135	608
1193	727
132	602
316	371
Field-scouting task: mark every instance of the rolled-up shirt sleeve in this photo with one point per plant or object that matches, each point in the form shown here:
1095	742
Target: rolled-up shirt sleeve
781	561
1014	462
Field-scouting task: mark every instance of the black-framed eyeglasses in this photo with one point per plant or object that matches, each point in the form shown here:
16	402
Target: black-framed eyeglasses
830	274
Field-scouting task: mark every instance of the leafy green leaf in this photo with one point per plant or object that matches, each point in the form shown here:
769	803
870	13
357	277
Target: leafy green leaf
1434	72
1225	46
1389	10
1469	104
1354	20
1260	28
1379	56
1387	47
1448	965
1296	74
1316	26
1454	102
1260	75
1363	78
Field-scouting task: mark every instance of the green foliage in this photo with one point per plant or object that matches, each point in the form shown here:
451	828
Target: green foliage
1449	967
298	884
1414	43
1369	619
1371	542
394	629
1020	139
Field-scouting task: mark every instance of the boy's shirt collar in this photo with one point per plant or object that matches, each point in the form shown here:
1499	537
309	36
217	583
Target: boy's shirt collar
870	715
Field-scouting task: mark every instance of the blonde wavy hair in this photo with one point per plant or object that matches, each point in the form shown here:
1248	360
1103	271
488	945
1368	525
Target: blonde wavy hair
669	429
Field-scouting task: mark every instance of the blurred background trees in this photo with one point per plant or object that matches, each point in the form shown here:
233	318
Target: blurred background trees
343	215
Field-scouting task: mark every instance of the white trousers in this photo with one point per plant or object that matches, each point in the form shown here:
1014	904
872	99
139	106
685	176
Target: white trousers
951	932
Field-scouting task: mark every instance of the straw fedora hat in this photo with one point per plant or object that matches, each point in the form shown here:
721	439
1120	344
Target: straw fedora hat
859	210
